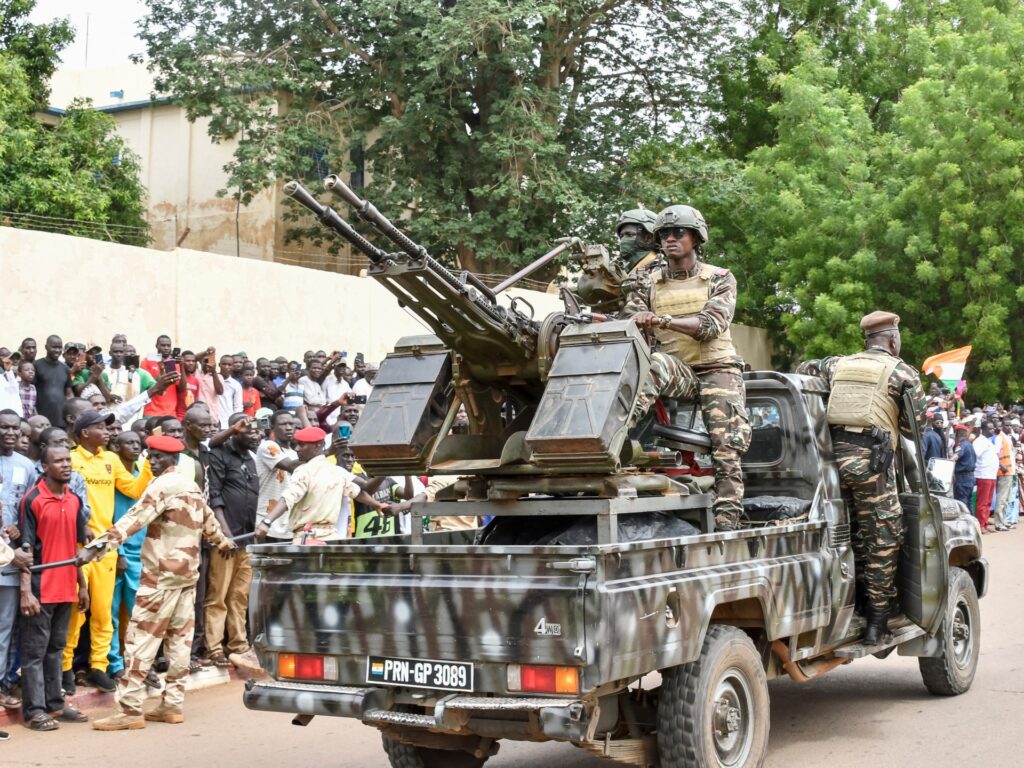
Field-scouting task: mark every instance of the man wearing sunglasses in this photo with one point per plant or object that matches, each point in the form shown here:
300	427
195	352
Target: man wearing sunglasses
690	305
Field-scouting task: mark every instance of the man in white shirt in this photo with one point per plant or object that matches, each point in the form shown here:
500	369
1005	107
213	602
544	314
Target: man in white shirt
312	391
229	402
986	468
334	386
364	386
275	462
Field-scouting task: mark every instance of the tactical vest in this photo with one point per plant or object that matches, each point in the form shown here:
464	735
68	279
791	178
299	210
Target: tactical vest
684	298
860	394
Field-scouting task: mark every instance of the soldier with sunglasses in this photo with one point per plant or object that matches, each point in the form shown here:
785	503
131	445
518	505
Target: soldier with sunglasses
689	304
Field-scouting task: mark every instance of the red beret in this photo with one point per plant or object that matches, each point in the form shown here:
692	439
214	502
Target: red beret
165	444
310	435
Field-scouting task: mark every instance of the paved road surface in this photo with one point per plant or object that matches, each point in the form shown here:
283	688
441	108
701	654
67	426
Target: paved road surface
872	713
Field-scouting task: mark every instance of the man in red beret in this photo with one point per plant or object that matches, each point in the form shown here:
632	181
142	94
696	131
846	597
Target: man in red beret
177	517
317	493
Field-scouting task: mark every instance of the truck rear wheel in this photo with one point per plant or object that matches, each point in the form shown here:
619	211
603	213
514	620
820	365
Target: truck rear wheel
411	756
953	672
714	712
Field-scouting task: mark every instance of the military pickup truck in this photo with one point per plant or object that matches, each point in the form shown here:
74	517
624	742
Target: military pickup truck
603	631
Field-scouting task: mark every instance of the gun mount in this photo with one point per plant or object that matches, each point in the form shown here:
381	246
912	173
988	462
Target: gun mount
541	397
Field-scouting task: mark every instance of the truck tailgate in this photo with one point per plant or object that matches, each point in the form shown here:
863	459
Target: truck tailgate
486	605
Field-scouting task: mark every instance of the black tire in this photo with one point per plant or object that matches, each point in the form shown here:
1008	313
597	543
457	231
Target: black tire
411	756
714	712
953	672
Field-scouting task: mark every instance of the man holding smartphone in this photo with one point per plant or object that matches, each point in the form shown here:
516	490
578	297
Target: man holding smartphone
164	361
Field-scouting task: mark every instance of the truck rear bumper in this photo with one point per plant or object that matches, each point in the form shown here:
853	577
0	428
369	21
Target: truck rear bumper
560	719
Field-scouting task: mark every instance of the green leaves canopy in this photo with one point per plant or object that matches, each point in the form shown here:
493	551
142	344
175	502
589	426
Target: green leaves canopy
499	124
77	175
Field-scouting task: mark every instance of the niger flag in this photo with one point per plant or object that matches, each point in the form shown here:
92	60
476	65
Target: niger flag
948	367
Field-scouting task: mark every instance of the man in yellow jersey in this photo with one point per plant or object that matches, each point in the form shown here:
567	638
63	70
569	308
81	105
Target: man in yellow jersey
103	473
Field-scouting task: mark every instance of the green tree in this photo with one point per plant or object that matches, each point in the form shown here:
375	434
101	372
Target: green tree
77	176
497	126
36	46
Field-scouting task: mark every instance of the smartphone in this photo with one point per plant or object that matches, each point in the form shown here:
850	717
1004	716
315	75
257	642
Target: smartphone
344	431
176	353
359	399
263	422
132	361
170	366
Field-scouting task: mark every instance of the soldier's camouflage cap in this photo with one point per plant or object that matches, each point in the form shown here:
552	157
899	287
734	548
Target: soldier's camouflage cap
878	321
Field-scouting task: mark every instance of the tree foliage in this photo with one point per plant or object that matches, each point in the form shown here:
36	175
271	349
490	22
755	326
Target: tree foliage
898	190
498	125
76	176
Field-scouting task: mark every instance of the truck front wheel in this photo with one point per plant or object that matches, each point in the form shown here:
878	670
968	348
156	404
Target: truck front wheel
411	756
953	672
714	712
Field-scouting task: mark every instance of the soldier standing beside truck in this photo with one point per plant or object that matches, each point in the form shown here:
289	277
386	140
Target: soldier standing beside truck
691	304
866	414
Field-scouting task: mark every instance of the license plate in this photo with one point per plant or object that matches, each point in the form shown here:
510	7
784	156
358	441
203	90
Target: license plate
420	673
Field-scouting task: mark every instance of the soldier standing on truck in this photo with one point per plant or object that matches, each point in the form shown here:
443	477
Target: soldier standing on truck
637	248
691	304
866	414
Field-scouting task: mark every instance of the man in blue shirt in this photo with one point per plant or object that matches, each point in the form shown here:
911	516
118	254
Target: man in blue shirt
963	473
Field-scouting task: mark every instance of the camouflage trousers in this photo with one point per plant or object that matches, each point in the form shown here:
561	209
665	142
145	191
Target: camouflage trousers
723	403
723	406
160	616
876	529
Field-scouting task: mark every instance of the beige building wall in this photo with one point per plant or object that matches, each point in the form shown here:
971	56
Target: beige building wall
182	169
88	290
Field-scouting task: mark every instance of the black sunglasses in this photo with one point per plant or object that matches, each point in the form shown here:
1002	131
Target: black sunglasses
676	232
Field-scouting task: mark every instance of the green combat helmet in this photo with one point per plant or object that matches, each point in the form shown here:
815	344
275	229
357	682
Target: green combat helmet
685	216
632	250
641	216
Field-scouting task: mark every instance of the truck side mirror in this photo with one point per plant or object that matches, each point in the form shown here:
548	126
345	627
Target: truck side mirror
940	476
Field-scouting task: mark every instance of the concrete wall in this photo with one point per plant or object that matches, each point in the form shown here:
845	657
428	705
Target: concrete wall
88	290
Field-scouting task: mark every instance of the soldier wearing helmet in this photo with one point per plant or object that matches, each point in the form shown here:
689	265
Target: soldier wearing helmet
690	305
635	232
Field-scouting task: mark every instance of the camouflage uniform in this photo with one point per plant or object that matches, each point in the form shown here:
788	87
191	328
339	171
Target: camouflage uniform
177	517
707	362
876	516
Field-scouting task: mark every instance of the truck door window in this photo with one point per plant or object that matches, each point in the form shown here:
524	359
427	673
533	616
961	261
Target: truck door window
766	432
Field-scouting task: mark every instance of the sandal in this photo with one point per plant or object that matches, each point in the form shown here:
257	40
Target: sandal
43	722
9	702
219	659
70	715
194	666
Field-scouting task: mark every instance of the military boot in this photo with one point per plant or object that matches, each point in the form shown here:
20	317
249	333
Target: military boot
122	721
163	713
878	625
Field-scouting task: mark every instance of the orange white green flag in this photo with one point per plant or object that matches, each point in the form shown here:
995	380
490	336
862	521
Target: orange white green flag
948	367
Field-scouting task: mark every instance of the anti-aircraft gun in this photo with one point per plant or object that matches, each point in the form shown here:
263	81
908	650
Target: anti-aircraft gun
548	401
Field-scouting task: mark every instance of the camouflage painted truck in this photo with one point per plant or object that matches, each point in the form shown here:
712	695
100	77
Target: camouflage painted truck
599	607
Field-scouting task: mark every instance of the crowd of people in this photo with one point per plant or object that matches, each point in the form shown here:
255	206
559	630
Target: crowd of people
82	433
987	445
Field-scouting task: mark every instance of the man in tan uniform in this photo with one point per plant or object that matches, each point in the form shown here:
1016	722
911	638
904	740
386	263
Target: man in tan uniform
176	518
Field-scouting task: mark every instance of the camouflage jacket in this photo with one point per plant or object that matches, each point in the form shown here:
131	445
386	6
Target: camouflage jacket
903	375
176	518
716	316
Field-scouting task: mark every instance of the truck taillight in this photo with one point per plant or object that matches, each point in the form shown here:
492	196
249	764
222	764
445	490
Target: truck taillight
307	666
536	678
